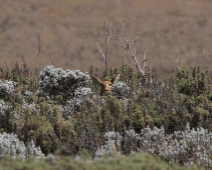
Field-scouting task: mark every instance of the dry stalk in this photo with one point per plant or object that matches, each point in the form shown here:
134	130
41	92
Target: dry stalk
13	61
100	50
51	59
178	63
39	47
108	32
206	57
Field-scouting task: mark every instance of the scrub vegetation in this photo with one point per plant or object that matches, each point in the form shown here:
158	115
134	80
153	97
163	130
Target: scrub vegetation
61	113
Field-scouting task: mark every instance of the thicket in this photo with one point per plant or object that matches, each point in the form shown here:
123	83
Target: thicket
62	112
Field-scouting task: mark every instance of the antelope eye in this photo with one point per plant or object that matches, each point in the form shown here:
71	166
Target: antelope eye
110	84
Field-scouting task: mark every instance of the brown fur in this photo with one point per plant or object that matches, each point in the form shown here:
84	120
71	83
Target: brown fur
106	85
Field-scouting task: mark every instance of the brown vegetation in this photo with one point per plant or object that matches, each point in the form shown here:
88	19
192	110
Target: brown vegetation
176	33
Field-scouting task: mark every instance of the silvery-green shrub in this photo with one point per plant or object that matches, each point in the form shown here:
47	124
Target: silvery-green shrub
7	88
185	147
28	94
73	105
6	111
12	146
120	89
112	144
55	80
30	106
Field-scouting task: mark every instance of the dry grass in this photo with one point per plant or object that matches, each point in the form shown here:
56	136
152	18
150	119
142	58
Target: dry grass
175	32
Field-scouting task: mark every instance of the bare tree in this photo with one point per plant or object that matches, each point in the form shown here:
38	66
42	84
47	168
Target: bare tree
129	50
108	32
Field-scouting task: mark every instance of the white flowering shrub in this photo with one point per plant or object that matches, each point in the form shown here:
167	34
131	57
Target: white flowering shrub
6	113
120	89
74	105
56	80
7	88
32	150
12	146
28	94
184	147
112	144
26	106
4	108
189	146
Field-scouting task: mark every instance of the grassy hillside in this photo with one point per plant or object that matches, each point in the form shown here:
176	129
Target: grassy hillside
175	32
60	116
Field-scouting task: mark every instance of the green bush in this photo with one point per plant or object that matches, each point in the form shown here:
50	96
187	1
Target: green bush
184	98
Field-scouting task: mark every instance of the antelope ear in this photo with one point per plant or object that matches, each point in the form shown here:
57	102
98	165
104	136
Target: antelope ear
115	78
98	80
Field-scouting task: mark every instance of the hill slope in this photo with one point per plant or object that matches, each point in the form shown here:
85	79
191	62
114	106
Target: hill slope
173	31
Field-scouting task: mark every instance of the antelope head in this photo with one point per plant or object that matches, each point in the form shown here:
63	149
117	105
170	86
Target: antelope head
106	85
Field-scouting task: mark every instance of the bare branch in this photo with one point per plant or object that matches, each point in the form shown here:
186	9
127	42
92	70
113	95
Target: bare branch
136	61
13	60
51	59
108	33
128	46
145	60
6	65
107	38
100	50
122	27
39	47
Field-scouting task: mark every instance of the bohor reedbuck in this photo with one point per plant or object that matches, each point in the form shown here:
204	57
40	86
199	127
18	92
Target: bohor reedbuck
106	86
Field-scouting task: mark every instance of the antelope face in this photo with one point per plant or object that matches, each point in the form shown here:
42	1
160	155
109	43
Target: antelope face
106	85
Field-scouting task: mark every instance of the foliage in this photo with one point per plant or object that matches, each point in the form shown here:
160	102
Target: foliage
183	147
63	113
10	145
56	81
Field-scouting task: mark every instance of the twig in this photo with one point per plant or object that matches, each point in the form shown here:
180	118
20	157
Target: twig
206	58
128	45
13	60
26	70
133	53
39	46
107	38
179	64
100	50
145	60
51	59
6	65
108	33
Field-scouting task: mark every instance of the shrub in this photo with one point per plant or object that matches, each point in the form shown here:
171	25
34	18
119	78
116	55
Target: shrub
65	115
186	147
56	81
12	146
7	88
76	103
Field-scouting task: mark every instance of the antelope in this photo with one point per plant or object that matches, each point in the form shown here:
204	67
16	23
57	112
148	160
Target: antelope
106	85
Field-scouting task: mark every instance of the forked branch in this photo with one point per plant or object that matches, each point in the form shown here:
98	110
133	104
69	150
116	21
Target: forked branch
128	46
108	32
